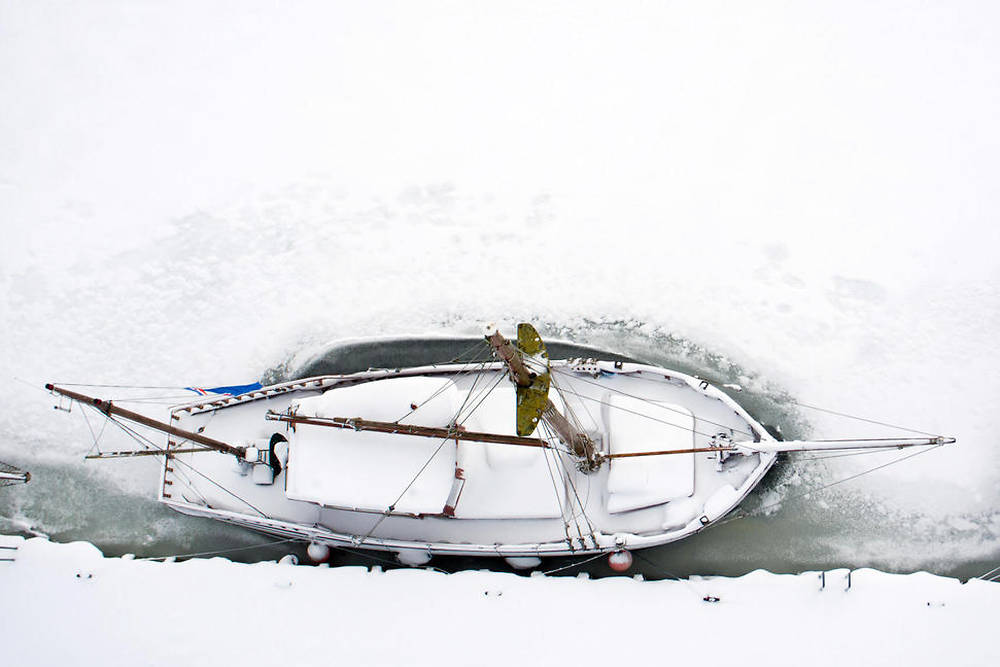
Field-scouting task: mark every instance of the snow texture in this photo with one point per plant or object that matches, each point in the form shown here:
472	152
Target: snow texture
192	193
66	604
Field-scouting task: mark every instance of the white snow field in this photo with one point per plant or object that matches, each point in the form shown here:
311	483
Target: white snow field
191	193
66	604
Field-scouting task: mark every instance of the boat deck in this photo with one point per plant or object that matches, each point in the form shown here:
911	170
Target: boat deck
338	485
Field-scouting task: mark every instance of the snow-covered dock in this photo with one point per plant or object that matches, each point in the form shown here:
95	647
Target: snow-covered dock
67	604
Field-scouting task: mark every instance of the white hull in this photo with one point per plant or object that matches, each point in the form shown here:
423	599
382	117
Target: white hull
512	502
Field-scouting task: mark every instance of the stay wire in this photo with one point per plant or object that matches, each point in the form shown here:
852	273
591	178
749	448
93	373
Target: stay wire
143	440
576	564
225	551
640	414
670	575
762	508
863	419
443	387
644	400
580	504
574	514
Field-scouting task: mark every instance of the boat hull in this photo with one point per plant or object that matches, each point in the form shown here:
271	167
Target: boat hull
636	505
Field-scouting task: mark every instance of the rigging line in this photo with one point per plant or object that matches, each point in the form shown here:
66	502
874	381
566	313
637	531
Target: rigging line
648	401
583	511
570	412
809	459
581	504
36	387
388	510
479	342
149	399
114	386
640	414
577	564
686	582
225	551
743	515
442	388
988	574
377	559
483	396
97	437
863	419
555	487
570	409
143	440
468	395
568	513
214	483
182	476
391	507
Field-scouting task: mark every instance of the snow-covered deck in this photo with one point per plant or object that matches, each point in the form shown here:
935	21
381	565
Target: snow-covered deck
395	493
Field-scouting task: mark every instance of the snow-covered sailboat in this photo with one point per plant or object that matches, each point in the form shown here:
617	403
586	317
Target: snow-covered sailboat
519	457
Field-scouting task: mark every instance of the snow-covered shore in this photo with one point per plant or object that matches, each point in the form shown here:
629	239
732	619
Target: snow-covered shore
67	604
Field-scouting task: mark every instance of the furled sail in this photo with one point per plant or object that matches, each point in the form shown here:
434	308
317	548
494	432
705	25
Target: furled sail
533	398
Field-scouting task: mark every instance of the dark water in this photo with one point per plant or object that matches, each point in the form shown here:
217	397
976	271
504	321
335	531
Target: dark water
75	501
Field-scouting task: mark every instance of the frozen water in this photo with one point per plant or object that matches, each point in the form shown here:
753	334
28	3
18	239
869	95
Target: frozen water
803	197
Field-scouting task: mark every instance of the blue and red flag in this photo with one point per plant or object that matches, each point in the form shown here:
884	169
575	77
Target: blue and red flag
234	390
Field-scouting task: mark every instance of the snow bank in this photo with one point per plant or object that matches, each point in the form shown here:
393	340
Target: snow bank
67	604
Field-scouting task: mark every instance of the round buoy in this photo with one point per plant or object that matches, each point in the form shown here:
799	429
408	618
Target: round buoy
413	557
523	563
620	560
289	559
318	553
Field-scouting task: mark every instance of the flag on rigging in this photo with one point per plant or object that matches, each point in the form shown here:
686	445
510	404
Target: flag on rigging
234	390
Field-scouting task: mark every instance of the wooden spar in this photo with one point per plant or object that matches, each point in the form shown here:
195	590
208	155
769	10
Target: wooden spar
839	445
146	452
509	355
108	408
799	446
359	424
533	389
665	452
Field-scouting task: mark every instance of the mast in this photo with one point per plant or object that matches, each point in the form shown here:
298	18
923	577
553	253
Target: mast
532	387
111	410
